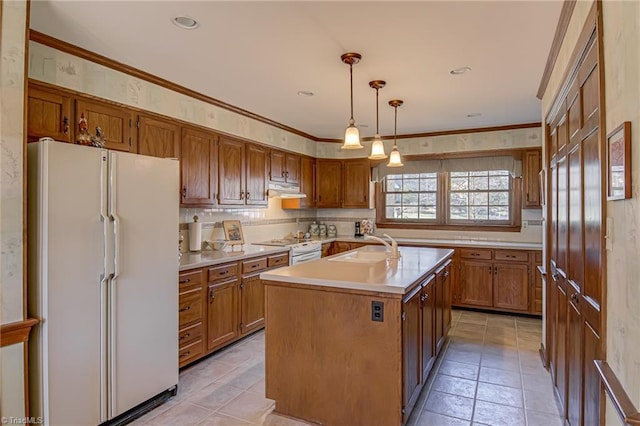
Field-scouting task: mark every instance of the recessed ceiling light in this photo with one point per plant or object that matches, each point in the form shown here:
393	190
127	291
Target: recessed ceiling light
459	71
305	93
185	22
474	114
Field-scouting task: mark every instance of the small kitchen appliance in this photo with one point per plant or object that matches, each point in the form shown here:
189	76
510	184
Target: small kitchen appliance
358	232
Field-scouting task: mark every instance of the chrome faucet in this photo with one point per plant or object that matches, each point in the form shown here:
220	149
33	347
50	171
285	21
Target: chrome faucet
394	253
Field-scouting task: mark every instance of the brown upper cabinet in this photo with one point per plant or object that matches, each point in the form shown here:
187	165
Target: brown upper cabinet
197	167
308	182
343	183
158	138
531	182
256	175
115	122
242	173
285	167
49	114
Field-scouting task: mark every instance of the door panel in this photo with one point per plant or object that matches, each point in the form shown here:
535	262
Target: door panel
592	386
561	260
356	184
428	327
222	312
476	283
293	168
561	343
114	121
575	252
231	172
411	331
257	161
197	167
278	166
251	303
308	181
511	286
330	184
574	356
158	138
144	184
49	114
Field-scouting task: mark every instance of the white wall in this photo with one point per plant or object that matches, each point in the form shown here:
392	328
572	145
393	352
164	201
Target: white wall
621	41
11	190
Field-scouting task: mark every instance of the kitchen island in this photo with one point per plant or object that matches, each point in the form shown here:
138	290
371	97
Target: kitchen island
351	338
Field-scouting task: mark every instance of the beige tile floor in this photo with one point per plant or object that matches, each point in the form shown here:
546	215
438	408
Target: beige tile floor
488	374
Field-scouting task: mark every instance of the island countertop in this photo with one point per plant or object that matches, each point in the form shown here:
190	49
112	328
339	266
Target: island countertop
387	276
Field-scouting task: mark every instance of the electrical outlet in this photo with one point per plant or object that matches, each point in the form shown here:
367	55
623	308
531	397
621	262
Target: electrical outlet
525	224
377	311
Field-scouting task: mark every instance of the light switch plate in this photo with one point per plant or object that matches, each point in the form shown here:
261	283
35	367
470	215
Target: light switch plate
608	236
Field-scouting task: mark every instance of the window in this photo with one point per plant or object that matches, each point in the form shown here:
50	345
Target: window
411	196
450	199
479	197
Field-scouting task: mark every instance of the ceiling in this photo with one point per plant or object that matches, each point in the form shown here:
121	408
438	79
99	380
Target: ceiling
258	55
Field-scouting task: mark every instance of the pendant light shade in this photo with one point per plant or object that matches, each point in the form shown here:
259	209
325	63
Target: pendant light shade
394	158
377	148
351	135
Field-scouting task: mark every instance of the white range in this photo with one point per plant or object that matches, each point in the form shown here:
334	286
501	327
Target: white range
300	250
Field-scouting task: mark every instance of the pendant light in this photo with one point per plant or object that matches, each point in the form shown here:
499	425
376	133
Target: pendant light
394	157
377	148
351	135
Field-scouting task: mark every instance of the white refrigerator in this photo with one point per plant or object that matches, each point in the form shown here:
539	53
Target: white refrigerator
103	273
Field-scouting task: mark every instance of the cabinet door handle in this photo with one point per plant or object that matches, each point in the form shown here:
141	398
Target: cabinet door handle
186	280
574	297
184	192
185	336
187	353
286	174
446	274
247	195
212	295
241	195
527	196
241	285
490	269
223	272
282	174
185	308
495	270
65	125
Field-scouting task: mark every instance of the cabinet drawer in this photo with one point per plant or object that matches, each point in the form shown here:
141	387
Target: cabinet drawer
254	265
278	260
516	256
189	334
484	254
223	272
189	278
190	306
190	352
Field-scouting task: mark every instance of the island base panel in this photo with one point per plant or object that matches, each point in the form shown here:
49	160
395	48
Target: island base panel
326	360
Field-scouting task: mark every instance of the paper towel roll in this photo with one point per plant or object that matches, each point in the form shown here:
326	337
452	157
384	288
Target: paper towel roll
195	236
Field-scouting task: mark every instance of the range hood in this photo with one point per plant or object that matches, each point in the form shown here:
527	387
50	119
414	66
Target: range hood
283	190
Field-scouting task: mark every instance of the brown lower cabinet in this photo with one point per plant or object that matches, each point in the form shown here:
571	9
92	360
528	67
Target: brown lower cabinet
498	279
220	304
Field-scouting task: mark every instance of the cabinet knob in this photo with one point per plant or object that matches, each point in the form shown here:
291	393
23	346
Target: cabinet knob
65	125
286	174
184	192
186	280
241	195
282	175
574	297
212	295
185	354
185	308
185	336
446	274
247	195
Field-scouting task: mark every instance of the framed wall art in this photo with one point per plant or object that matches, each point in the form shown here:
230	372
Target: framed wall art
233	232
619	162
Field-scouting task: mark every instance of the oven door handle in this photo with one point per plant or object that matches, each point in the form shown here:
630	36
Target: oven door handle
306	256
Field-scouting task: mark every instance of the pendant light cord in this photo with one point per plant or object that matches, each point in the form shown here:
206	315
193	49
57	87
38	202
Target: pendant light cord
395	127
351	90
377	115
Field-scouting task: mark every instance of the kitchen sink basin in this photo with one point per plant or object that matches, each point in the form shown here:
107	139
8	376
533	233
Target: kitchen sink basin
361	257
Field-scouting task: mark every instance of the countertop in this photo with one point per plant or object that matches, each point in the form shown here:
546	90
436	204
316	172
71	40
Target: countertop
445	242
215	257
387	276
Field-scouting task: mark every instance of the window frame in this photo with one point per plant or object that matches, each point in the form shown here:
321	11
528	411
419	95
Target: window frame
442	222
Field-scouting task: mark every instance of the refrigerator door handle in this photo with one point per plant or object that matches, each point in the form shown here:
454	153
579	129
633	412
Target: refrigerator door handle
113	213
